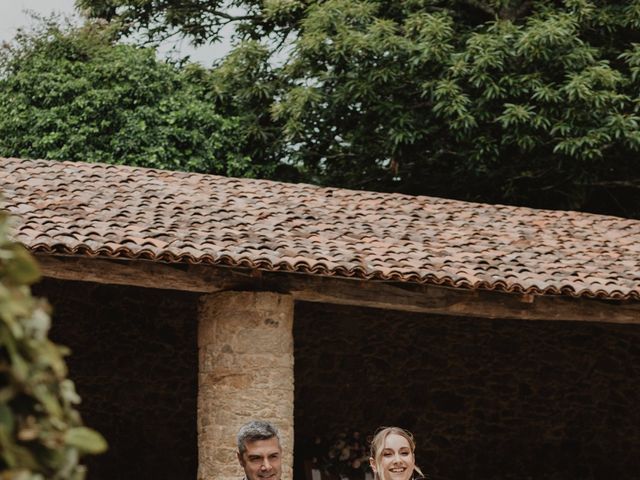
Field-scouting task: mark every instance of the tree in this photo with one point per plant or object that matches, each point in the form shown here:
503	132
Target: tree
72	93
519	101
41	433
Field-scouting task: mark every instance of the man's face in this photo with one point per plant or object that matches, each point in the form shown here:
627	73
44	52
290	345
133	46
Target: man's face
262	459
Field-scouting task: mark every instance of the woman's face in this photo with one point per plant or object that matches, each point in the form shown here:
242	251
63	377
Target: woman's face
397	460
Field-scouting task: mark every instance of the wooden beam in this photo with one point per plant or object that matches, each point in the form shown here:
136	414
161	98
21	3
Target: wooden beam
343	291
139	273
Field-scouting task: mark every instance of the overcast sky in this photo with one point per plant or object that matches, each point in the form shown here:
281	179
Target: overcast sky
13	16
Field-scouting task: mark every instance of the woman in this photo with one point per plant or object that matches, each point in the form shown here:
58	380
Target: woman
392	455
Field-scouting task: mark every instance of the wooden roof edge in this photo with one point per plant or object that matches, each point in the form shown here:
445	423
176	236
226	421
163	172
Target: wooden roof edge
432	299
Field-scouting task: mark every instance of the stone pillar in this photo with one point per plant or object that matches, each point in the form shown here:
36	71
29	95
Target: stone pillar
245	342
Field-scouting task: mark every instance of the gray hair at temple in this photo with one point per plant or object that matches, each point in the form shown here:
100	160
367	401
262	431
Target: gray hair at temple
255	430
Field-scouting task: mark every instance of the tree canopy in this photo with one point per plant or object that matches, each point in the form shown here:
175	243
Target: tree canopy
71	93
518	101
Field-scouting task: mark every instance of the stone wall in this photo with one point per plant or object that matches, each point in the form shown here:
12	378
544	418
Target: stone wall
135	364
486	399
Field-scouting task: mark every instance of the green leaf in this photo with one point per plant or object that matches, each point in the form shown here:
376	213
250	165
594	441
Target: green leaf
21	268
85	440
7	421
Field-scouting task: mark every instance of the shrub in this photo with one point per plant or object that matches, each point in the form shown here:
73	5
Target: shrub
41	433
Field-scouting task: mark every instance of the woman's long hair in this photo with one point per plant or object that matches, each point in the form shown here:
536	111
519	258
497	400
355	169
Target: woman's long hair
377	446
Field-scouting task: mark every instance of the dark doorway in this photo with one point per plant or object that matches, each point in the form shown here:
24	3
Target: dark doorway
134	362
486	399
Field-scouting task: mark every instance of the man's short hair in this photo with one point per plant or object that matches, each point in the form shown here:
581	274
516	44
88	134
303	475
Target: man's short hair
255	430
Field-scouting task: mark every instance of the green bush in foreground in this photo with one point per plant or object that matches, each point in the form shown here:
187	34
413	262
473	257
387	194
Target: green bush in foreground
41	434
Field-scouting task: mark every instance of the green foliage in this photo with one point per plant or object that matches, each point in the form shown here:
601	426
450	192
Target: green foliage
73	94
518	101
244	88
427	100
41	433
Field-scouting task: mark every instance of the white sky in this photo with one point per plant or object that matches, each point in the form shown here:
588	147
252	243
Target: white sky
13	16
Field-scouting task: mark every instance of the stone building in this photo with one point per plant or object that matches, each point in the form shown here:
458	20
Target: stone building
506	338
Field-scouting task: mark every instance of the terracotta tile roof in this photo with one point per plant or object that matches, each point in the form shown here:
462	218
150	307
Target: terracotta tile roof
124	212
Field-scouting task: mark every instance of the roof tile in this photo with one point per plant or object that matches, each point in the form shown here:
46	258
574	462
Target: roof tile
117	211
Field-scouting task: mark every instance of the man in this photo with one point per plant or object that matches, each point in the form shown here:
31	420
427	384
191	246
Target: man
259	451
